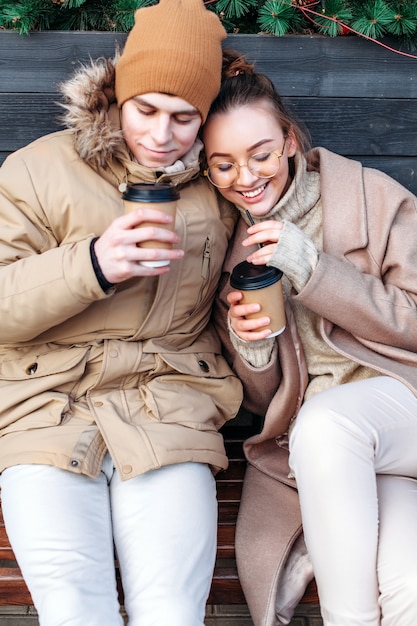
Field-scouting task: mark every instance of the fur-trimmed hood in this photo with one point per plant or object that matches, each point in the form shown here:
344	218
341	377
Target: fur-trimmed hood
91	112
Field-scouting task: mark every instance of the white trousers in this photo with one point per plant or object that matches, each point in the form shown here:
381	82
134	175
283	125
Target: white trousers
163	524
353	451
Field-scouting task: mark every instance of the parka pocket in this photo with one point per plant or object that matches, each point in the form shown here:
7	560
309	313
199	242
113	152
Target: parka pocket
201	364
35	384
201	389
40	361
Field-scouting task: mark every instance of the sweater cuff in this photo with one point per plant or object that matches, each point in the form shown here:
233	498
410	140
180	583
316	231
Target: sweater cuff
296	255
257	353
103	282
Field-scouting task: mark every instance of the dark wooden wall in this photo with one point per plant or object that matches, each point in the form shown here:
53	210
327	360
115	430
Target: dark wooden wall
356	97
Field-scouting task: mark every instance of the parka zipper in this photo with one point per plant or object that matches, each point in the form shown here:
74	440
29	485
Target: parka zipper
206	259
205	272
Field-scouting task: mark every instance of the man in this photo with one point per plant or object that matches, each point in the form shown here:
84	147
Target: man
112	384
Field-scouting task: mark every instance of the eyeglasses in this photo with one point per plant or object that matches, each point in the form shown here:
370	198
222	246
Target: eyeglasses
261	164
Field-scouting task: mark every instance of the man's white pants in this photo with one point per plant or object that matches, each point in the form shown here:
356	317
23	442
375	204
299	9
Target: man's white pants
353	451
163	523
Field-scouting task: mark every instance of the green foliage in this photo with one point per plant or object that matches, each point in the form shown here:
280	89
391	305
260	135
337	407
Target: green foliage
22	16
339	12
234	8
277	17
404	24
102	15
370	18
373	19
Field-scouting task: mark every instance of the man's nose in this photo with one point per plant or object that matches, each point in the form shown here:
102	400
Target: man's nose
162	131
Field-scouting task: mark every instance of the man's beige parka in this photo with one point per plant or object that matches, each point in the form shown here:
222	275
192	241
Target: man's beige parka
136	371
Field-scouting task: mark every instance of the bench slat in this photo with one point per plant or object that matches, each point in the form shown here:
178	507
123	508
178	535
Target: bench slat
13	590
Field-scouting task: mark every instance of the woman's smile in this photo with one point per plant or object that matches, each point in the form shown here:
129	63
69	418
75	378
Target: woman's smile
249	195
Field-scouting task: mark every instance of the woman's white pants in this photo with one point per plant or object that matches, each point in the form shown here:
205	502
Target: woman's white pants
163	524
353	451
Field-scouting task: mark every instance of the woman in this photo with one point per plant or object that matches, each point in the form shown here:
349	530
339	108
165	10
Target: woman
338	387
112	383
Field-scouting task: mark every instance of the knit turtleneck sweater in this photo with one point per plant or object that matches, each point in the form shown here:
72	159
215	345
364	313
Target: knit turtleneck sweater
296	254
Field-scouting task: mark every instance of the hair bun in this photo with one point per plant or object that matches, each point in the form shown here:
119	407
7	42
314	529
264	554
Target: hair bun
234	63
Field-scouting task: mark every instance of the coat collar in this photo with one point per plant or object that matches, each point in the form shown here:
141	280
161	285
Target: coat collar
341	215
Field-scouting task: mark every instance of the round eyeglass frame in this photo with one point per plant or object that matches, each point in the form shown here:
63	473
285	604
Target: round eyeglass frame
237	167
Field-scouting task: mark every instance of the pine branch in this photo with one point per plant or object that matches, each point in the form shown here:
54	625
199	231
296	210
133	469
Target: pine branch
279	17
339	12
373	19
235	8
404	23
25	16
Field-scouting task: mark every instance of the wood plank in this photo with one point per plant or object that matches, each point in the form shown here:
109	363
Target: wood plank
228	512
13	590
38	62
235	472
310	596
330	67
229	492
225	588
361	127
300	64
26	117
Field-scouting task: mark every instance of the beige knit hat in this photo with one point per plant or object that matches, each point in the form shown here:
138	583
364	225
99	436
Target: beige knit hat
174	48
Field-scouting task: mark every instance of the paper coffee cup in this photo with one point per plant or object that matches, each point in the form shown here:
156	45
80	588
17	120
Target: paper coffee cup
262	285
160	196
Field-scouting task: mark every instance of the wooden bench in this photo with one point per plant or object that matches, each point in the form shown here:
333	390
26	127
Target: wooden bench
357	98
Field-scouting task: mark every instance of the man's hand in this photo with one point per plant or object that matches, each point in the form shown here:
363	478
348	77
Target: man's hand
117	249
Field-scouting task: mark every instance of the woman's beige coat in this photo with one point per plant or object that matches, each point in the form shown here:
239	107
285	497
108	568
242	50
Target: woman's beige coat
135	371
365	290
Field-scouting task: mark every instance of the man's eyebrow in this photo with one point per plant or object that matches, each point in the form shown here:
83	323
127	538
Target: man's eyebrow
191	112
141	100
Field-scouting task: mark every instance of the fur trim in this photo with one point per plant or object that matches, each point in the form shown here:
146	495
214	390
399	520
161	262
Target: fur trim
88	96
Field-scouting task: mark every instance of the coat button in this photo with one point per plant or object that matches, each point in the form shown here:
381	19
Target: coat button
127	469
204	365
74	463
31	369
98	403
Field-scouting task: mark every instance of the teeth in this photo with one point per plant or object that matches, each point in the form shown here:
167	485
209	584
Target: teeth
253	194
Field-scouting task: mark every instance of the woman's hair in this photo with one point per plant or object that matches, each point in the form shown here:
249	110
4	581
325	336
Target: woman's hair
242	86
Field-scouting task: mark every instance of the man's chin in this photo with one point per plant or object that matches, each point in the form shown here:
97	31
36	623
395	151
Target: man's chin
156	162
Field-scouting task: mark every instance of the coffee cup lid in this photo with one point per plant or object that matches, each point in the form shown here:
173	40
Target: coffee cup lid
247	276
151	192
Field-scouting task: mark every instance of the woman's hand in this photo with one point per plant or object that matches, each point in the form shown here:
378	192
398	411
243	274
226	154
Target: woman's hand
247	329
117	251
265	234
